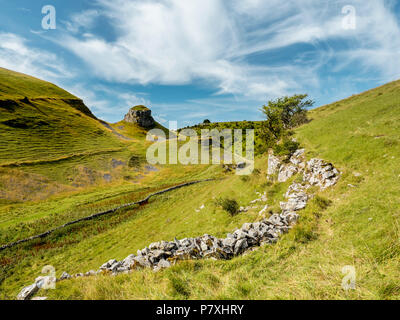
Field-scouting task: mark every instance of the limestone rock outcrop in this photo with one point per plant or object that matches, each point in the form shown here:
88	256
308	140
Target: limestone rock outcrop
140	115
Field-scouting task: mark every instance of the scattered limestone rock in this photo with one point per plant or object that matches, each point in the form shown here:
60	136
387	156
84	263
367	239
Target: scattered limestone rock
296	188
315	172
297	201
298	159
240	246
90	273
263	198
65	276
40	281
162	264
320	173
27	292
241	165
286	172
45	281
273	164
108	264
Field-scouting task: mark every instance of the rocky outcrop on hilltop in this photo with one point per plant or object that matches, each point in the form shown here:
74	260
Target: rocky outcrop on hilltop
140	115
163	254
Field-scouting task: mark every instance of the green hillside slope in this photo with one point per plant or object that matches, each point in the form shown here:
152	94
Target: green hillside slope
52	143
59	163
41	122
361	227
15	86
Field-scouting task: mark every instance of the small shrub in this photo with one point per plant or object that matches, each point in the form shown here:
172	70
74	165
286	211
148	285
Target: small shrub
287	148
245	178
229	205
134	161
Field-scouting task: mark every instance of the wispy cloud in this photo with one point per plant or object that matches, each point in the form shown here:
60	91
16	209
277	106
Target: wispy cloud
179	42
245	51
16	54
82	20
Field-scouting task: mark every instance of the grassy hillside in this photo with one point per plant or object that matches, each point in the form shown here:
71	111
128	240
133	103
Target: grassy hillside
59	163
361	136
41	122
15	86
52	143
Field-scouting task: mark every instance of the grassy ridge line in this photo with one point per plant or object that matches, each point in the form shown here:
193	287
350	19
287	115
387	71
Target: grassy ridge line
19	85
41	123
93	216
8	103
68	157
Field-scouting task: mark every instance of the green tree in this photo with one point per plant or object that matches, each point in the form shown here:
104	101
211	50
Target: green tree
282	115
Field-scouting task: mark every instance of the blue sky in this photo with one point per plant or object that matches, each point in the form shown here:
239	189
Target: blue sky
198	59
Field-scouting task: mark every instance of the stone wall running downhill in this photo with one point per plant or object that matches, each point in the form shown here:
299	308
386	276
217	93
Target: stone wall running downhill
164	254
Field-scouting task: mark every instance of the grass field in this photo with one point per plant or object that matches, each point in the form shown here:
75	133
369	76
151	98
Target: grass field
360	228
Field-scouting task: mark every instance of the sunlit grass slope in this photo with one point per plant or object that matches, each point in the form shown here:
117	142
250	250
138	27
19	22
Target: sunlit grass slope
52	143
361	227
40	122
16	86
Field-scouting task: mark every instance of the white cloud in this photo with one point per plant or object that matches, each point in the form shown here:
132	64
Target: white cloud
214	41
84	19
17	55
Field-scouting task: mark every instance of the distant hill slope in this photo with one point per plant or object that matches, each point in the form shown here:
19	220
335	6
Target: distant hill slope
52	136
41	122
233	125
